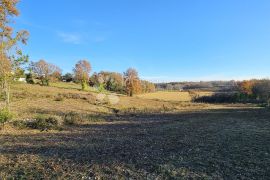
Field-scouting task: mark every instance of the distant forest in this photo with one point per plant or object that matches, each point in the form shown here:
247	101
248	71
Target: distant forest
217	86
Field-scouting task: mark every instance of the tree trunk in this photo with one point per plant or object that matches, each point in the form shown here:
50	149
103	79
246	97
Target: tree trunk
6	89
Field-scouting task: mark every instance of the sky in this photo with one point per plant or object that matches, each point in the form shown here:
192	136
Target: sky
165	40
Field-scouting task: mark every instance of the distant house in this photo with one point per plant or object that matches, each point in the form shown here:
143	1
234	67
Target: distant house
21	80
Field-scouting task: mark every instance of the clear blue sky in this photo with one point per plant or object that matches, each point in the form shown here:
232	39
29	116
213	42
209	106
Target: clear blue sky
165	40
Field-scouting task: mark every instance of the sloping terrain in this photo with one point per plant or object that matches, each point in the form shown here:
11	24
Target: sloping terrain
188	141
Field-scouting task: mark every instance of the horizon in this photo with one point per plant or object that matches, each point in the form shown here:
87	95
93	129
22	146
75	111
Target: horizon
158	80
165	41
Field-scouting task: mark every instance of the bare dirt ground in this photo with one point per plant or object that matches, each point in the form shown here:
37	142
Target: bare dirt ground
221	143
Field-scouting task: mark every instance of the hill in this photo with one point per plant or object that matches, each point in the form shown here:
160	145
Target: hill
135	138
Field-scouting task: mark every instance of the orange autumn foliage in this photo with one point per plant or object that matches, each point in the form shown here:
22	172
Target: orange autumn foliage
246	86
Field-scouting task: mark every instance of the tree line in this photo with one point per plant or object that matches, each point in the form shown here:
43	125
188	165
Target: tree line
249	91
127	83
13	63
255	90
217	86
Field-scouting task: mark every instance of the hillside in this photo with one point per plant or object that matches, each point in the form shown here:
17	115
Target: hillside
29	100
135	138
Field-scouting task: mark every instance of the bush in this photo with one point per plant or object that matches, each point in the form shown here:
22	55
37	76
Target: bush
19	124
29	78
95	118
218	98
261	90
68	77
227	98
5	116
72	118
43	123
59	97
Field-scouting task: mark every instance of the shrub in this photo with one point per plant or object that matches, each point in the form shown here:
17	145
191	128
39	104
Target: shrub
59	97
19	124
72	118
5	116
29	78
227	98
43	123
217	98
95	118
68	77
261	90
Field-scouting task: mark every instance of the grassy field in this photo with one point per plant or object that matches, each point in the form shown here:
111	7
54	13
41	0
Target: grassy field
137	138
30	100
167	96
71	85
174	96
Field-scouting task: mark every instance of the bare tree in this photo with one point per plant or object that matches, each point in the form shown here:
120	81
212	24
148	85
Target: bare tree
45	71
261	90
81	71
169	87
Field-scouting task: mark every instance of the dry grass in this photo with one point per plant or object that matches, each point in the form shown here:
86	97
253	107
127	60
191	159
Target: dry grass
175	96
134	139
213	144
71	85
167	96
29	100
201	93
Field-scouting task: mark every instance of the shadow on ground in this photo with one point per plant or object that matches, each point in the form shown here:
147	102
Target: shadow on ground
211	144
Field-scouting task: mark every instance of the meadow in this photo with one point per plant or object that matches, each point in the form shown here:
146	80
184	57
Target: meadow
136	138
168	96
119	124
175	96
